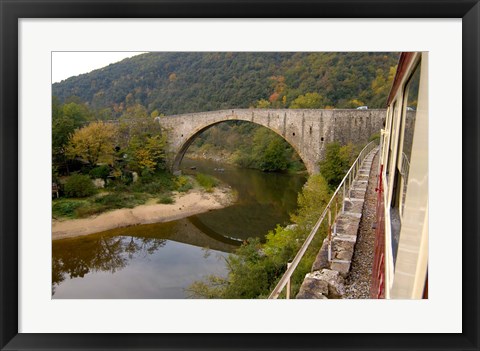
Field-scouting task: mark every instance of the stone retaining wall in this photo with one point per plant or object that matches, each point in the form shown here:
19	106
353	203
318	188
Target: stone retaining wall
326	279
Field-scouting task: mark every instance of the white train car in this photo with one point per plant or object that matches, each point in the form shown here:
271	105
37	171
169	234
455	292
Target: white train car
401	247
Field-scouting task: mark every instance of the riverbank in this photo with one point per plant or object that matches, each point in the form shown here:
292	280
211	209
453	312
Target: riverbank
187	204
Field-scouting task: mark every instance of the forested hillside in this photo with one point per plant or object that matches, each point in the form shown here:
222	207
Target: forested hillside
179	82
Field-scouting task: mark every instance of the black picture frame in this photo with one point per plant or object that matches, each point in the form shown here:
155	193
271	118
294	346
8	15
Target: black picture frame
12	11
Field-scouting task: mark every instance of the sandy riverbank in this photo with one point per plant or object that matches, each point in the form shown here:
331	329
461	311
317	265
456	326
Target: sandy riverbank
185	205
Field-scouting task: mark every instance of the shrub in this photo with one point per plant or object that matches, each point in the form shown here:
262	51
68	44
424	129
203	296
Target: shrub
65	208
183	184
149	188
90	210
79	186
117	185
242	158
100	172
166	199
147	175
206	181
115	200
155	183
127	178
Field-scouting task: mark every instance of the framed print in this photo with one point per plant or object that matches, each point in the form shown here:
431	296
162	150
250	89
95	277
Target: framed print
200	71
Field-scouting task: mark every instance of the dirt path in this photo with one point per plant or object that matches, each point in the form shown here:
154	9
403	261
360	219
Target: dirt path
185	205
357	284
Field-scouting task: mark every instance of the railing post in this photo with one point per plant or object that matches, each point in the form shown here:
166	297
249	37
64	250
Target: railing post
343	200
288	283
349	185
329	224
336	216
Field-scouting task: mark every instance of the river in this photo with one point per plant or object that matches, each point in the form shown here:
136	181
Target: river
161	260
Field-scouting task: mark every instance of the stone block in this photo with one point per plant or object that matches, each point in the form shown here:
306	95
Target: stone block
313	289
353	206
341	266
99	183
358	193
321	261
357	215
347	225
342	245
336	288
344	255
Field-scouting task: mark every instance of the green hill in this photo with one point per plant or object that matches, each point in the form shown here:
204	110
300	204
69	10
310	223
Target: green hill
181	82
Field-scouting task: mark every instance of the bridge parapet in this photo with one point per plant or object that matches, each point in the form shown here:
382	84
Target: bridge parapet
307	130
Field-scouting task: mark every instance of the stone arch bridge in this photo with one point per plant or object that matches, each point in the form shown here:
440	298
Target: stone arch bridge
308	131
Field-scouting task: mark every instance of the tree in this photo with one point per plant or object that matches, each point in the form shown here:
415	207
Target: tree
78	112
354	103
262	103
136	121
142	139
309	100
65	119
93	143
337	162
146	153
311	201
275	157
270	152
381	85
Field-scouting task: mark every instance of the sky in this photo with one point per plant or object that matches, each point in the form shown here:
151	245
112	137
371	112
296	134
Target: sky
72	63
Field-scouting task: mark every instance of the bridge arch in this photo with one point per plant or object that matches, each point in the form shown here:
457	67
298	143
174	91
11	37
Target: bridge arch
306	130
191	138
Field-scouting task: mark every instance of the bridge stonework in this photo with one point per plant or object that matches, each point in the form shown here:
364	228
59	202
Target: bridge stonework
307	130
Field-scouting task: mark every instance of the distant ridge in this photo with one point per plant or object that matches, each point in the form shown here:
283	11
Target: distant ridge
183	82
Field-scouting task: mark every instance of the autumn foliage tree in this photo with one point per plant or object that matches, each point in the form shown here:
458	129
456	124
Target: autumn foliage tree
93	143
309	100
142	139
146	152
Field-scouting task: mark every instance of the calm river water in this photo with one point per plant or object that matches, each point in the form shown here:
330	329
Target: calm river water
161	260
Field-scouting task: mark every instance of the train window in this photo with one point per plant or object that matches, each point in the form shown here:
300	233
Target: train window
391	126
402	164
409	116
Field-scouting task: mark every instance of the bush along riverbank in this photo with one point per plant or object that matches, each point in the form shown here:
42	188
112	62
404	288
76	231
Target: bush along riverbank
187	204
81	199
100	167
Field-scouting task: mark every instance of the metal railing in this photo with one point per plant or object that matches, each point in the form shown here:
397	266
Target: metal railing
333	207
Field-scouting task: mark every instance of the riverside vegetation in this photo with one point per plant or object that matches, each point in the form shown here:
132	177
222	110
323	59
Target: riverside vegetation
255	268
85	149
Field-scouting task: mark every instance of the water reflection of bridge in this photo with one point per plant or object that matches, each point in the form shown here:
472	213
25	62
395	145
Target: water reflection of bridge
191	231
111	251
